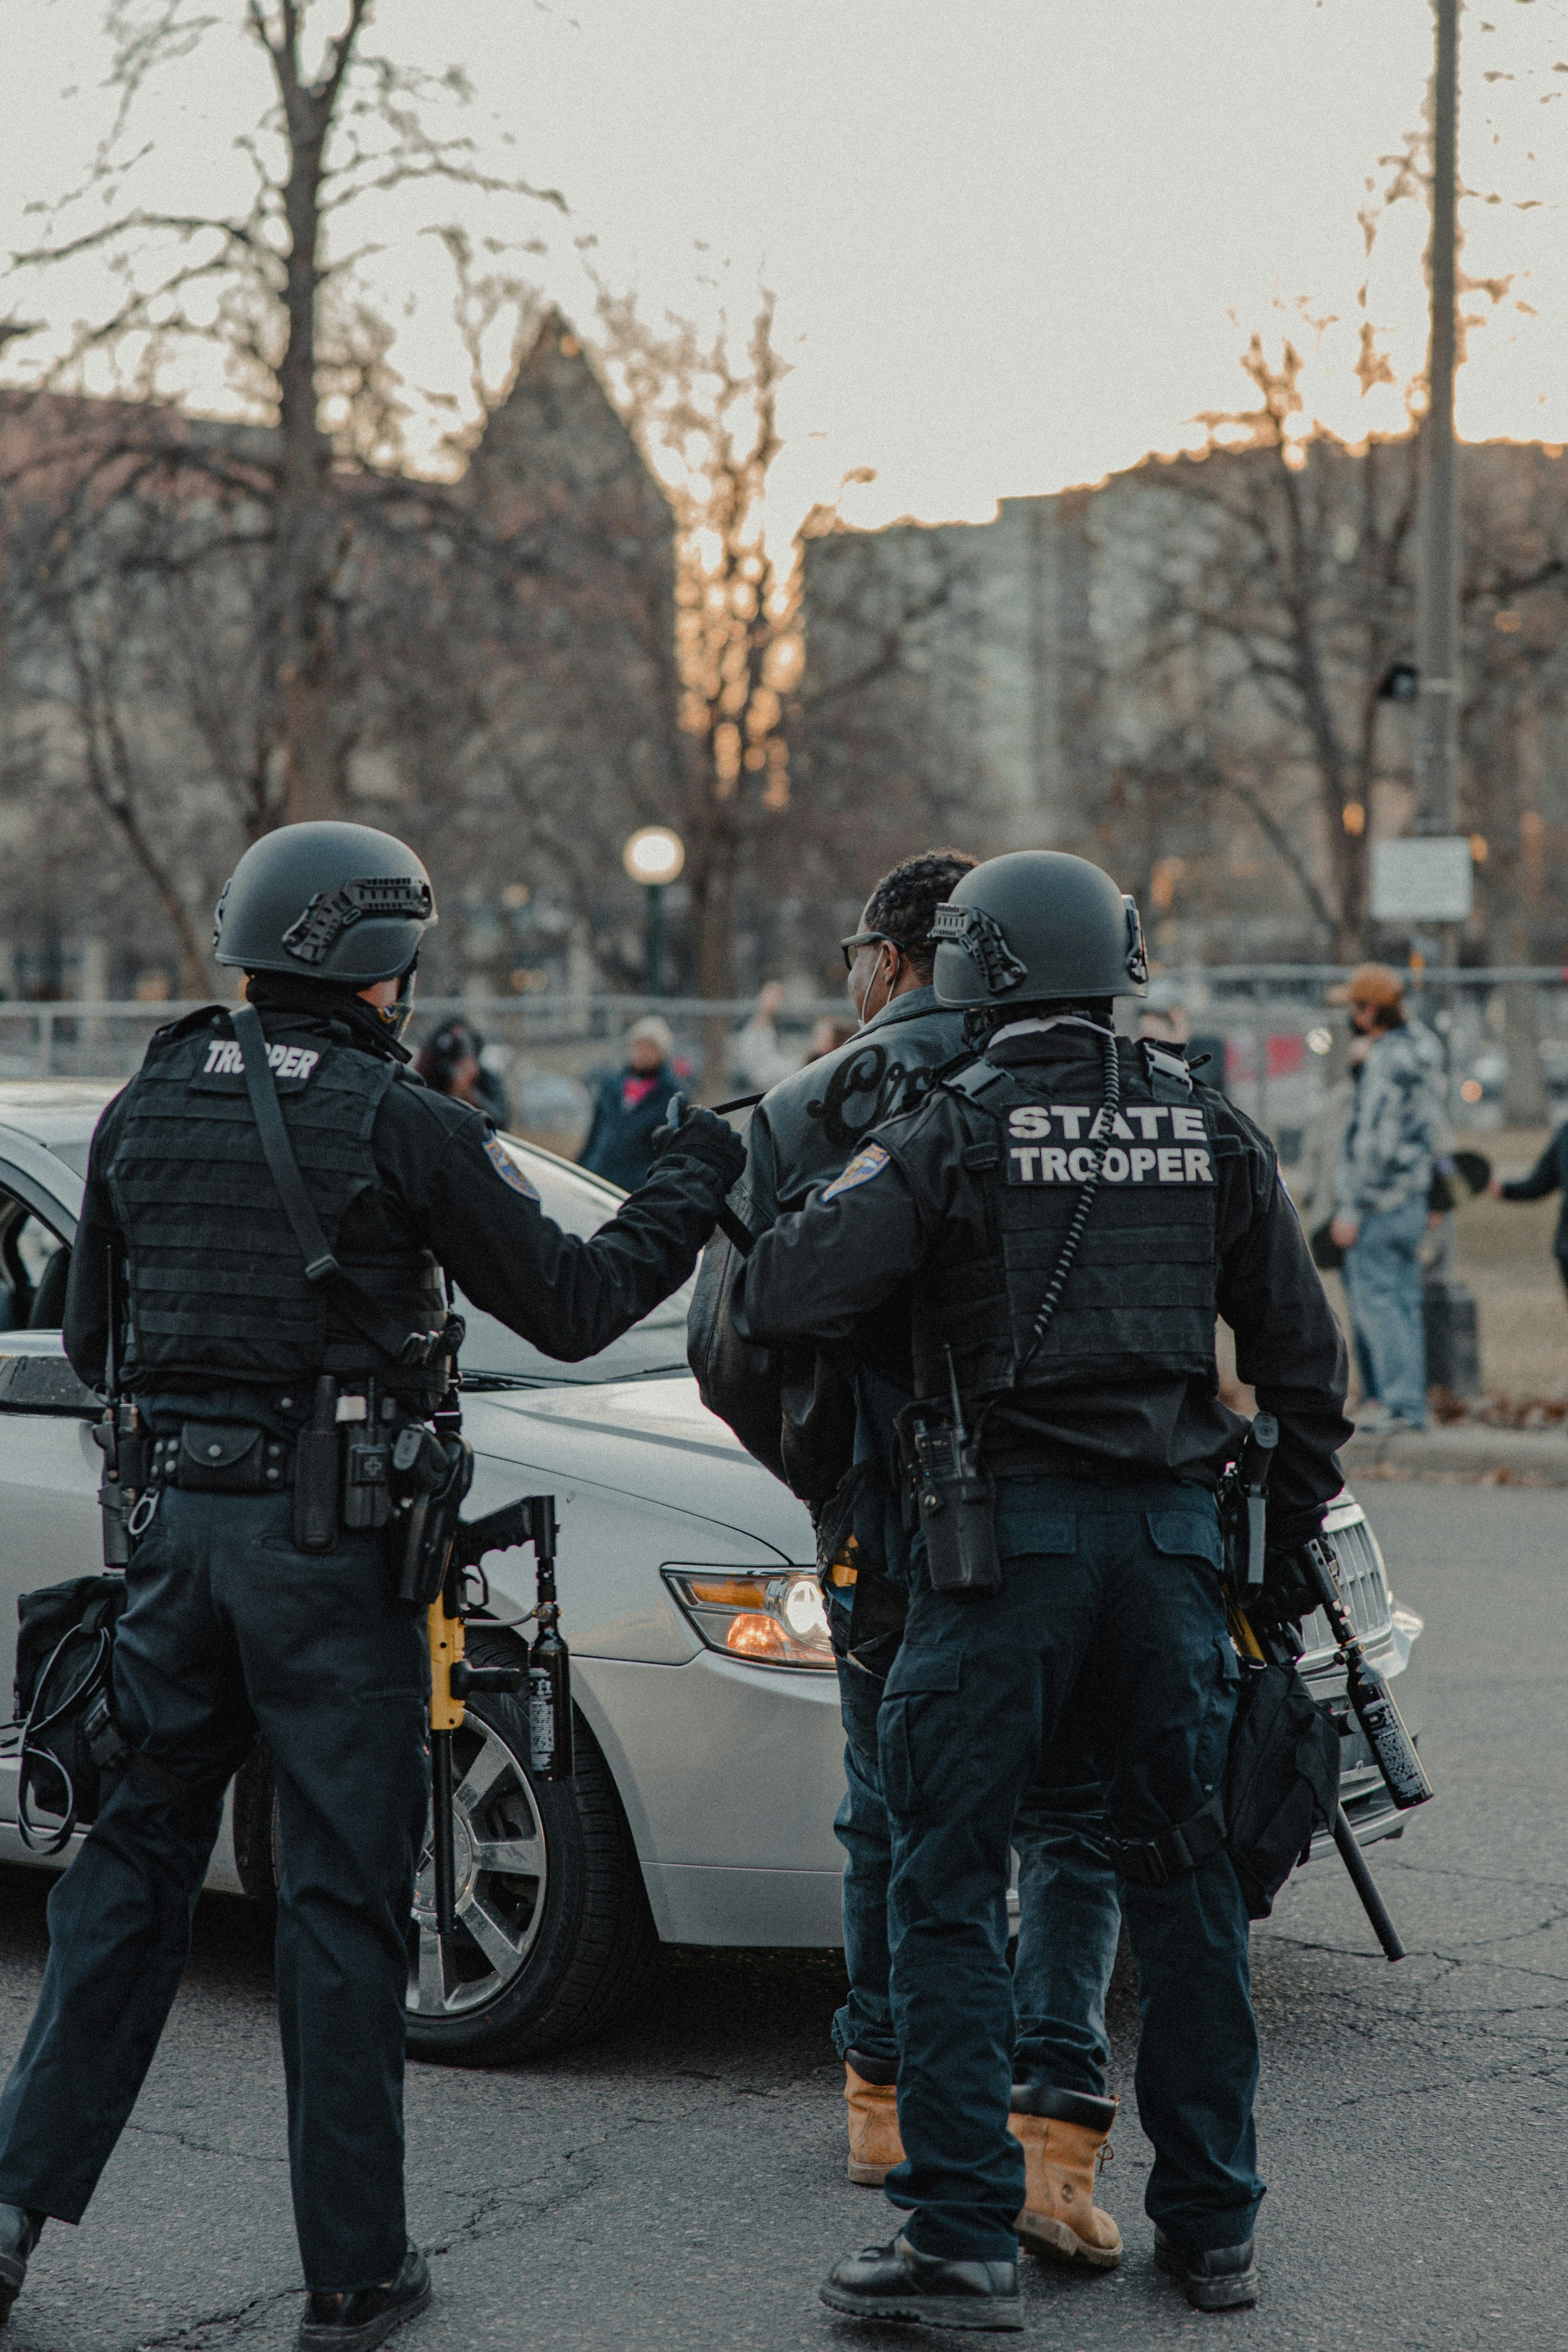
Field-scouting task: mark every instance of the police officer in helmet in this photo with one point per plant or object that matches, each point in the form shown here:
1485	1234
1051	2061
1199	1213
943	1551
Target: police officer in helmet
187	1272
1067	1215
836	1455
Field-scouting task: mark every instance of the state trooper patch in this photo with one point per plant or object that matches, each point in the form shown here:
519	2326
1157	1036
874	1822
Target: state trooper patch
224	1060
1170	1145
507	1169
865	1164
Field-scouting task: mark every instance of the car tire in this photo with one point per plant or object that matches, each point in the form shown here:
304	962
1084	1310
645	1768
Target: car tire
585	1936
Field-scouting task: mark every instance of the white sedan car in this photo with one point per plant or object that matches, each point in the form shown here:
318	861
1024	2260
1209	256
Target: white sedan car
709	1753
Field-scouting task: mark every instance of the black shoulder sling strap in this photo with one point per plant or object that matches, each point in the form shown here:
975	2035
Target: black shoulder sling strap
404	1346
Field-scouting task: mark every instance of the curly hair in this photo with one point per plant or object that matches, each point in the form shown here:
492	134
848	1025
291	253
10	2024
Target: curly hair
904	901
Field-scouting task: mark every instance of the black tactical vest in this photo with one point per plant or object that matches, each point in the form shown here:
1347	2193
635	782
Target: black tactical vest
217	1287
1140	1299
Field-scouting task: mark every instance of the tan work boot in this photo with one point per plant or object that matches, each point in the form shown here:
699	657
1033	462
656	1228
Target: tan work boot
1063	2133
874	2143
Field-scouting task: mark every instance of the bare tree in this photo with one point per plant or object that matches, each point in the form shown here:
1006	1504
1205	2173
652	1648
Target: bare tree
1276	581
711	421
746	697
1278	591
272	286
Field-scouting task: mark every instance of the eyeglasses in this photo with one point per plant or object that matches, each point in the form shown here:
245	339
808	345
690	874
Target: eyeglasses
851	946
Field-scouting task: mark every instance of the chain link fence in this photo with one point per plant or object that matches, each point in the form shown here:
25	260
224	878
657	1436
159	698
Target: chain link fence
1279	1039
541	1048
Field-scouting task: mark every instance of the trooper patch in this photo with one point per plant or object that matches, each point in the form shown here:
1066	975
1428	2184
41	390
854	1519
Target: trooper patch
1051	1143
507	1169
225	1059
861	1168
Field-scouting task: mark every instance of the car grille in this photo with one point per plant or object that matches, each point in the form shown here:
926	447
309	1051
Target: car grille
1366	1589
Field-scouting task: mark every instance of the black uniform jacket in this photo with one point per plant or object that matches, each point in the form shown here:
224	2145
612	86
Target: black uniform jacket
820	1272
446	1186
781	1406
1550	1174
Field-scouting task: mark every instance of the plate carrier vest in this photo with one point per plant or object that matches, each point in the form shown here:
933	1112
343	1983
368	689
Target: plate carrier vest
1139	1297
218	1290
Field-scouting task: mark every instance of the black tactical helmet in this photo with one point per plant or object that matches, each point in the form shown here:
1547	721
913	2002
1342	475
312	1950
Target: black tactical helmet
325	902
1037	926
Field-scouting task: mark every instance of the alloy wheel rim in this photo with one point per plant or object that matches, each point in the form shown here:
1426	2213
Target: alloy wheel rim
502	1877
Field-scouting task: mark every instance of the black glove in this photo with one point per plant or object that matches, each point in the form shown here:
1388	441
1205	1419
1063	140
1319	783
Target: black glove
694	1133
1289	1593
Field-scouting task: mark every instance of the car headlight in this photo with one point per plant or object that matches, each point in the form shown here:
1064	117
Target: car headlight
764	1617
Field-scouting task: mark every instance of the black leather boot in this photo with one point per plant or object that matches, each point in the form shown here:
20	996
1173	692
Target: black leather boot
18	2236
354	2323
897	2282
1221	2279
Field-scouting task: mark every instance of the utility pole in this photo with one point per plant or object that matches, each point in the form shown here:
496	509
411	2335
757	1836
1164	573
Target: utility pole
1448	1308
1438	609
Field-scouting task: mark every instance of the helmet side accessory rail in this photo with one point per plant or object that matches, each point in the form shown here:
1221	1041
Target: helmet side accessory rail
330	913
984	943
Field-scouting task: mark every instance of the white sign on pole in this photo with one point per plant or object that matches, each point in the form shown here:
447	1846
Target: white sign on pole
1423	881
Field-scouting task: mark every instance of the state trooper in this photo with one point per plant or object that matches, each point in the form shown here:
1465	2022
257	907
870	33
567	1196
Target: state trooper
828	1435
1066	1215
186	1266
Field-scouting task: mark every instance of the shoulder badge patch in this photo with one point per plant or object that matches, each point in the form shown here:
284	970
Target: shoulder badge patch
866	1163
507	1169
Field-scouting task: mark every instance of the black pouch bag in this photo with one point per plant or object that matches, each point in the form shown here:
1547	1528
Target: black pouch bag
1282	1781
68	1741
224	1457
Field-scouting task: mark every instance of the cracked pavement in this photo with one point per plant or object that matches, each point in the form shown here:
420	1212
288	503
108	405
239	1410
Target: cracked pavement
683	2186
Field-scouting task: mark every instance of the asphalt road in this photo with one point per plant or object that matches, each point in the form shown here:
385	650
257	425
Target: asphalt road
683	2186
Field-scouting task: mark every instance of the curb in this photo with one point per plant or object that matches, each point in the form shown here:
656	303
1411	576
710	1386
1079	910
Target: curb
1491	1457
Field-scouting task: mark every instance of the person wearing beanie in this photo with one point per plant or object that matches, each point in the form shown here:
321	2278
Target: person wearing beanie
629	1104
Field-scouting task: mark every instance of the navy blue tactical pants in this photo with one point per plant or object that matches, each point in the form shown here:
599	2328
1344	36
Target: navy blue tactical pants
1069	1906
229	1628
1117	1590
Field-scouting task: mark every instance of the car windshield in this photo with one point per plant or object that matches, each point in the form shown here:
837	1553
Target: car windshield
494	1357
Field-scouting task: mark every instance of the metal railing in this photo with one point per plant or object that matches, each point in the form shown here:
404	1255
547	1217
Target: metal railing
70	1037
1505	1030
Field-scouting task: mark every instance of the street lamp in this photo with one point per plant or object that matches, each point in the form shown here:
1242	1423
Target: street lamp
654	857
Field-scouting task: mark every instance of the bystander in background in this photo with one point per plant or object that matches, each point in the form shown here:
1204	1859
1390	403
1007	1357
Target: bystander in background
828	1034
756	1056
1162	1016
451	1062
628	1104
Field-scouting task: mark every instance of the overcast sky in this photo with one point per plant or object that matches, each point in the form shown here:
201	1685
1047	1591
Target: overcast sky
1016	243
